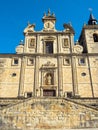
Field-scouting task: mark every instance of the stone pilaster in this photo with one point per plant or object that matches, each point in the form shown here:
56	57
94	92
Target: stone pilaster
26	45
90	75
38	43
58	44
22	74
36	76
60	75
74	77
71	42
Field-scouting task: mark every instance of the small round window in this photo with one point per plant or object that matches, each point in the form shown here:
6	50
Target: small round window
83	74
14	74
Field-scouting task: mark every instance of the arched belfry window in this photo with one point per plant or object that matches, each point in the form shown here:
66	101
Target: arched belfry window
95	37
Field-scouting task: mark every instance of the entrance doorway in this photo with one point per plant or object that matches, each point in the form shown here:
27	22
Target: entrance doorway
51	93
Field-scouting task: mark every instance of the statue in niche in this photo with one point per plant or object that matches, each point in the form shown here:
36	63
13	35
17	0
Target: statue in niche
48	79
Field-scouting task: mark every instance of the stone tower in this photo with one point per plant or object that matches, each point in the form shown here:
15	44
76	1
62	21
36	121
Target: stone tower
89	36
89	41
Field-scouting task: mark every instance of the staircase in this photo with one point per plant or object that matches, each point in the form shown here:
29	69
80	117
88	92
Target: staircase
49	113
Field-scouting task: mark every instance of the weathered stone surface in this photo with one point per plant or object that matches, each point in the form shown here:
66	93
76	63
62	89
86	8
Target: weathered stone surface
72	68
49	114
49	64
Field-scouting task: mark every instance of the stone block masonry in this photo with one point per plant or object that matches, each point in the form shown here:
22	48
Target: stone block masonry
49	113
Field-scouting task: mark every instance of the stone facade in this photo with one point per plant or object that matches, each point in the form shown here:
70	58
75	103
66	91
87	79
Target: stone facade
49	64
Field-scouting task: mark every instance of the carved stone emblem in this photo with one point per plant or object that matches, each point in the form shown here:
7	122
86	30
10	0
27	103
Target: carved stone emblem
48	64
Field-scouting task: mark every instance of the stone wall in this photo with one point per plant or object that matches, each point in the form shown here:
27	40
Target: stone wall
49	113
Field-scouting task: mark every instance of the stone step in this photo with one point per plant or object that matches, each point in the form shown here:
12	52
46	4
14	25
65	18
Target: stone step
46	113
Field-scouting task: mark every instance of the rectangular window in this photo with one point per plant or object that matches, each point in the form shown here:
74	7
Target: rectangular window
82	61
30	61
69	94
66	61
29	94
49	47
95	37
15	61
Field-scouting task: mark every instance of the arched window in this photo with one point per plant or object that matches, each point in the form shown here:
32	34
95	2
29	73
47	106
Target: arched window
95	37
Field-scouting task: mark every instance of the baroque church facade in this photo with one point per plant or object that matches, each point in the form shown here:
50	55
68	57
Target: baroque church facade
51	82
50	64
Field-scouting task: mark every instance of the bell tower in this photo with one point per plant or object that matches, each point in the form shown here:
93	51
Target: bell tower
89	35
49	20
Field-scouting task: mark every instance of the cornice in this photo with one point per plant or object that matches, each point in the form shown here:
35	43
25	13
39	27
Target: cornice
48	55
49	32
90	27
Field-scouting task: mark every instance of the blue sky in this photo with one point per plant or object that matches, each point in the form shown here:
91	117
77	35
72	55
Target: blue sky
15	14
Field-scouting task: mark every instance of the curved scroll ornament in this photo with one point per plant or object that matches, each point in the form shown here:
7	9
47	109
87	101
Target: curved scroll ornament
77	49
